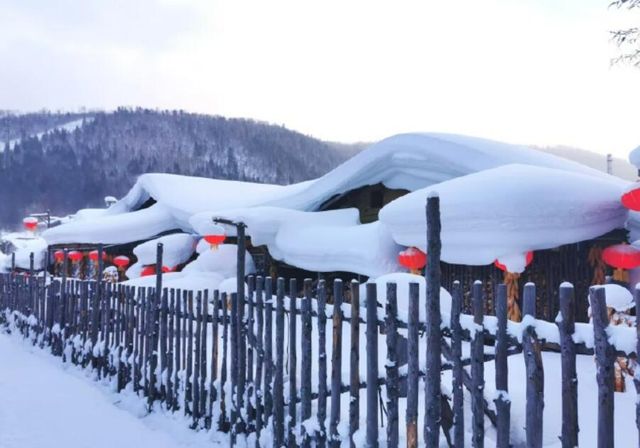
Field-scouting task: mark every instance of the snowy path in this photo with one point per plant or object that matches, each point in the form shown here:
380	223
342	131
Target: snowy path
43	403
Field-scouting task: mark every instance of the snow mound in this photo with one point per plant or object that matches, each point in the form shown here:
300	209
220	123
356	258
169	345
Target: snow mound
618	297
193	281
177	249
634	157
223	261
509	210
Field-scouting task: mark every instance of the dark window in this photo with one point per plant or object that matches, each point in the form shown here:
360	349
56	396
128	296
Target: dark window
376	199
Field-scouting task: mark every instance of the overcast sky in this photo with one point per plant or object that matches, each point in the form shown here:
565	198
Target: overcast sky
526	71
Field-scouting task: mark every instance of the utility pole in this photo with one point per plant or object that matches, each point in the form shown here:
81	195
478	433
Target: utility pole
609	164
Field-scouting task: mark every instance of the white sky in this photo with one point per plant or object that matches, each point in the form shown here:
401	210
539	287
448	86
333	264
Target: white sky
526	71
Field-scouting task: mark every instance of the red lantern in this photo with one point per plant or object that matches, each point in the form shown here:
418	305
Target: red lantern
148	270
58	256
121	261
621	256
528	260
30	223
167	269
214	240
75	256
631	199
413	259
93	255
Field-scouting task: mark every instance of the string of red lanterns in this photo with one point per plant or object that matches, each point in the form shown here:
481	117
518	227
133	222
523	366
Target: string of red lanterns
413	259
621	256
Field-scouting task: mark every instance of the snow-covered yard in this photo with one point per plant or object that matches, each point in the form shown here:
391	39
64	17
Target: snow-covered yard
44	403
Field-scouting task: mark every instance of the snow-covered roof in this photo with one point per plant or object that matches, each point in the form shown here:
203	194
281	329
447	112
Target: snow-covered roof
634	157
281	218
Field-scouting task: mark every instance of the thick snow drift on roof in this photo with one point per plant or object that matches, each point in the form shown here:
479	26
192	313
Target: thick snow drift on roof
509	210
316	241
24	244
634	157
192	281
414	161
114	229
177	248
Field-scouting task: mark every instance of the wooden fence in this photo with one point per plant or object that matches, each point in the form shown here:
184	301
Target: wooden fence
265	365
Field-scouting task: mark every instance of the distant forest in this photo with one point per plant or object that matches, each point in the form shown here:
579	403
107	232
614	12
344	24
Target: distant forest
44	166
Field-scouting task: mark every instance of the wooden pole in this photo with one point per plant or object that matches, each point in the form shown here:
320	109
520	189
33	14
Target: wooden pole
566	327
354	383
372	366
535	373
305	386
457	369
477	368
322	364
413	354
605	358
268	350
293	361
393	386
502	400
278	384
636	378
336	365
434	336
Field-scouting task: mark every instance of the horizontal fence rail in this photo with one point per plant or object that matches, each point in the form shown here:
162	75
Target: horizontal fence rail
284	370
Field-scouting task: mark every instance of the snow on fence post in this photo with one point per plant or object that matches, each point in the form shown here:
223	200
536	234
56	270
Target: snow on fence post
222	422
605	358
636	378
566	326
535	373
278	384
322	364
434	333
413	353
268	350
336	364
306	362
477	367
391	330
457	368
503	403
372	365
213	374
259	409
292	362
235	407
354	363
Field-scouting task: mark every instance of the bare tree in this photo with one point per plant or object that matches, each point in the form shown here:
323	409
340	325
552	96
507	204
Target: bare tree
628	40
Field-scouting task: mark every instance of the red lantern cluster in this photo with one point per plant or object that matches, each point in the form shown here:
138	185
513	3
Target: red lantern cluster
30	223
75	256
121	261
412	258
148	270
621	256
631	199
528	260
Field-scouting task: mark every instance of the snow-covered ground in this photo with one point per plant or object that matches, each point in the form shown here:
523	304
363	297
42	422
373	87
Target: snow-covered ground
44	403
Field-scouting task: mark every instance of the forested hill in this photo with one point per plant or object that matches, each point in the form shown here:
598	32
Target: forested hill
64	162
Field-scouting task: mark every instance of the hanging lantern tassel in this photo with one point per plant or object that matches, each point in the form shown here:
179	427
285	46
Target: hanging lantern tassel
513	290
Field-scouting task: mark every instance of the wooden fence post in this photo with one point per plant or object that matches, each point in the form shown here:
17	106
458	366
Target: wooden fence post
268	350
195	407
477	367
535	373
336	365
372	366
222	422
278	384
235	407
354	367
605	358
413	355
502	400
393	388
258	390
322	364
566	327
305	386
457	368
293	362
434	336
